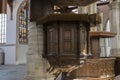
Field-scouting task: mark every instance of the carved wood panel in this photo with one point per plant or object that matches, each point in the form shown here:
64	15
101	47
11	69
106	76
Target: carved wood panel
65	41
68	39
95	47
52	40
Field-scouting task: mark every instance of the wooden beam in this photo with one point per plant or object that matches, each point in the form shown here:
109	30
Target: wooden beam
3	6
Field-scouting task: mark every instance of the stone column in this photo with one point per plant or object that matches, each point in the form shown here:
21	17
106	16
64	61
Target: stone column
92	10
115	27
36	65
103	41
101	26
83	10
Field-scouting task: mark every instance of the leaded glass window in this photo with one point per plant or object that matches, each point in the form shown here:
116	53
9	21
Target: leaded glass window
2	28
23	23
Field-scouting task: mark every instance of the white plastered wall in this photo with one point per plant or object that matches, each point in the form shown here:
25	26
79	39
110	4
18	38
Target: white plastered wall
14	53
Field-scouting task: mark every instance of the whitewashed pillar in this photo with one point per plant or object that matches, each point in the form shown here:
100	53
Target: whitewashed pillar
115	27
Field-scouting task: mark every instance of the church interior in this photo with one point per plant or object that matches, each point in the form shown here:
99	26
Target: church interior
61	39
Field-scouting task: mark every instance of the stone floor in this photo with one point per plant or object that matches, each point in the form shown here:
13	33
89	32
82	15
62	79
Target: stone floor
12	72
117	77
17	72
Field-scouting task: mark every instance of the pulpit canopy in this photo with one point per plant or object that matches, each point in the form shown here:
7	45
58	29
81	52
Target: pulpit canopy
92	18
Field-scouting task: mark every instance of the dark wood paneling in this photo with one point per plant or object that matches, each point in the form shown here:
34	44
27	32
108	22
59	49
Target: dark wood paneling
95	47
52	40
3	6
68	39
65	41
0	6
117	66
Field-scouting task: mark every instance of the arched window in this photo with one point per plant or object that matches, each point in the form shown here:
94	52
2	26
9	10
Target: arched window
108	26
3	9
2	28
23	19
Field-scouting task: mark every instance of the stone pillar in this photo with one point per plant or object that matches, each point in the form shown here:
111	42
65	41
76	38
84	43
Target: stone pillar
36	65
83	10
103	41
115	27
101	26
92	10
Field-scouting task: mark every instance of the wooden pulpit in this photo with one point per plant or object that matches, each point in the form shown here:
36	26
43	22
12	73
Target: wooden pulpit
66	37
